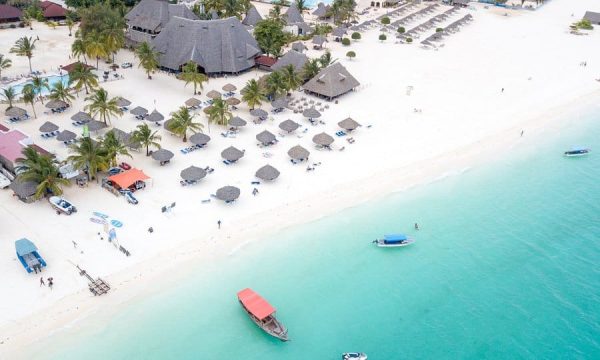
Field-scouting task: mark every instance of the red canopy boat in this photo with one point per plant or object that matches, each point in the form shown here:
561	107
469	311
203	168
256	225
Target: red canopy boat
262	313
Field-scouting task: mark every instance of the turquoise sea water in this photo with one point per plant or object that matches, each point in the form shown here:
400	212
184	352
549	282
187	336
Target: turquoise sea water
506	266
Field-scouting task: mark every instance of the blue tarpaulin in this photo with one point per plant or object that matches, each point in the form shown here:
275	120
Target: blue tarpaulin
394	238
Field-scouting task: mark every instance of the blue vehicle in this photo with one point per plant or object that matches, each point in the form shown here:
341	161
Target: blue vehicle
129	197
394	240
28	255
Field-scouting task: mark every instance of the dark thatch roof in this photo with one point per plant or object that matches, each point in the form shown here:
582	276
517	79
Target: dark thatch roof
48	127
266	137
192	102
298	153
56	104
292	57
259	113
311	113
81	116
332	82
228	193
348	124
289	125
154	15
66	135
199	139
299	47
23	189
252	17
162	155
138	110
293	15
267	173
232	154
192	173
323	139
123	102
96	125
15	111
237	121
155	116
279	103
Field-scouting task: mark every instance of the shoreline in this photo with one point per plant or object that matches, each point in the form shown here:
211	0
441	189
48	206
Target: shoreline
78	310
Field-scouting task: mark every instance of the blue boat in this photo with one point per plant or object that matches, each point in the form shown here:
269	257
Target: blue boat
394	240
28	255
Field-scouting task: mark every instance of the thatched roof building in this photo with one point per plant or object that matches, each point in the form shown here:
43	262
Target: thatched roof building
252	17
331	82
217	46
291	57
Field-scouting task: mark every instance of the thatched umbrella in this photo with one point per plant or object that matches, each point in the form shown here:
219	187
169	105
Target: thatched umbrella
162	155
167	124
66	135
81	117
322	139
237	122
48	127
95	125
228	193
279	103
192	102
229	87
192	173
121	102
15	112
232	154
56	104
155	116
233	101
267	173
298	153
207	109
213	94
311	113
348	124
289	125
260	113
265	137
199	139
139	111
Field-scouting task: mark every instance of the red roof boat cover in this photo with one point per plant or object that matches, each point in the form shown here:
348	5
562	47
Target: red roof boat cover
128	178
255	304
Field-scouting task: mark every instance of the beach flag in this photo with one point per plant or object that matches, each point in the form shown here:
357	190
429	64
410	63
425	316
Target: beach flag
86	131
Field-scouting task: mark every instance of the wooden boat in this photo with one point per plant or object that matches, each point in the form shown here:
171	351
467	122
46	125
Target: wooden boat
394	240
262	313
577	151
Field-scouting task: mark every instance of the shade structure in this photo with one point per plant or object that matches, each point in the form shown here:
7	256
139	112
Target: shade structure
229	87
228	193
162	155
348	124
81	117
155	116
233	101
311	113
139	111
267	173
15	111
167	124
128	178
265	137
199	139
279	103
207	109
259	113
191	102
123	102
96	125
56	104
66	135
298	153
48	127
237	121
256	305
193	173
232	154
289	125
213	94
322	139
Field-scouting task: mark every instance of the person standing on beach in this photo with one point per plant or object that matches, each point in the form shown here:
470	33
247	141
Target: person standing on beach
50	282
219	224
522	132
416	226
42	282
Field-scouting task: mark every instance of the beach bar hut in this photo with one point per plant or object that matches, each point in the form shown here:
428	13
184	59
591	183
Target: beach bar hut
28	255
228	193
331	82
267	173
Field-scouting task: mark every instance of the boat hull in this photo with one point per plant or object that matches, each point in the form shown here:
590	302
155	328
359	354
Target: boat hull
272	327
381	243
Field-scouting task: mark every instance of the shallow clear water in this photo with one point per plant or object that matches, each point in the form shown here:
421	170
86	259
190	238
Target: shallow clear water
54	79
506	266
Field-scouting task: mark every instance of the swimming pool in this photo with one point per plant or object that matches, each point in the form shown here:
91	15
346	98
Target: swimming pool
53	79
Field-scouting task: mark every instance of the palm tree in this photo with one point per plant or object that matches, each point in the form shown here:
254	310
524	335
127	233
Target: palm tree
275	85
253	94
9	94
325	60
219	112
41	169
232	8
145	137
310	69
190	74
113	35
148	58
95	46
89	156
78	49
26	19
39	84
291	79
28	94
114	147
83	76
5	63
61	92
24	47
70	23
183	121
101	105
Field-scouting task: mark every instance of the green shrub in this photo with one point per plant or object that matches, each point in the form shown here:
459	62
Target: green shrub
385	20
351	55
345	41
439	30
382	37
401	30
409	40
584	24
356	36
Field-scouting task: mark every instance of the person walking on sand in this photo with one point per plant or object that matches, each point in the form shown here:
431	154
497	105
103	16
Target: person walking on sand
50	282
502	89
416	226
219	224
42	283
522	132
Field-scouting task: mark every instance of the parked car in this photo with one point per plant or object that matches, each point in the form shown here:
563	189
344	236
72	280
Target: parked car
115	171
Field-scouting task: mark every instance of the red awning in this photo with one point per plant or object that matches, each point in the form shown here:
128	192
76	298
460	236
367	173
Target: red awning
128	178
265	61
255	304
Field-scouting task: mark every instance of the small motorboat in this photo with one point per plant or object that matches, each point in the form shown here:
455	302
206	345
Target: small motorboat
61	205
129	197
354	356
577	151
262	313
28	255
394	240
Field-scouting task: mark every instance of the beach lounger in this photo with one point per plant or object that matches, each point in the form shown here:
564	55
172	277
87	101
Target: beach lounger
205	201
227	162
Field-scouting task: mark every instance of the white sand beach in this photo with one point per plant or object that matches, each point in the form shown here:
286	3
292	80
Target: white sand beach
500	75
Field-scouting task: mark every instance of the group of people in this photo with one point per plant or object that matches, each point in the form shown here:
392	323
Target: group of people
50	282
